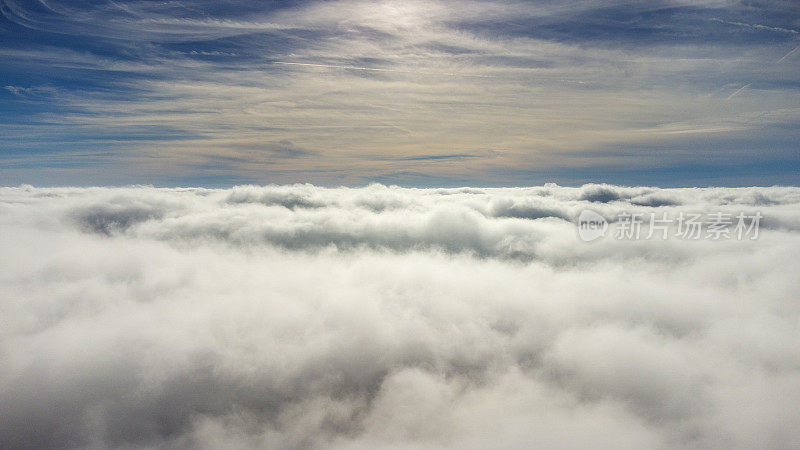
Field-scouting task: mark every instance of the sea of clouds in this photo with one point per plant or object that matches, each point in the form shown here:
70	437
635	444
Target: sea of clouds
382	317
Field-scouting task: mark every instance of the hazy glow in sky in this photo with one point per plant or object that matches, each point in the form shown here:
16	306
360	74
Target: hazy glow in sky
409	92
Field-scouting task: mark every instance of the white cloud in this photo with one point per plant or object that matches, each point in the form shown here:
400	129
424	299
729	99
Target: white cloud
296	316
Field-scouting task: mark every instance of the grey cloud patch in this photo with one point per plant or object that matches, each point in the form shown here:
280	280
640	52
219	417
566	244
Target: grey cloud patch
303	317
109	218
654	201
461	191
446	156
528	210
287	149
286	197
599	193
437	157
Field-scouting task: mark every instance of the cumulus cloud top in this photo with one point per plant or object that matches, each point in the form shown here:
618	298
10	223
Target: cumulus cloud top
298	316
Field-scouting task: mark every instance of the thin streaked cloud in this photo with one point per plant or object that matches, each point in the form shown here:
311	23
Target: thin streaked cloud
542	86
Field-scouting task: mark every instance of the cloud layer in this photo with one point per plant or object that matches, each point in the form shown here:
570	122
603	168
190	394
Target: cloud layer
296	316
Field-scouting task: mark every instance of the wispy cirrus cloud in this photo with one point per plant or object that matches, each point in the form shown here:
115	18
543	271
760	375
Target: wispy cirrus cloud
542	85
757	26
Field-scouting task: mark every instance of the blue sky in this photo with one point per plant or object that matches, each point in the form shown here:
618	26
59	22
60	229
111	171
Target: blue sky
417	93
